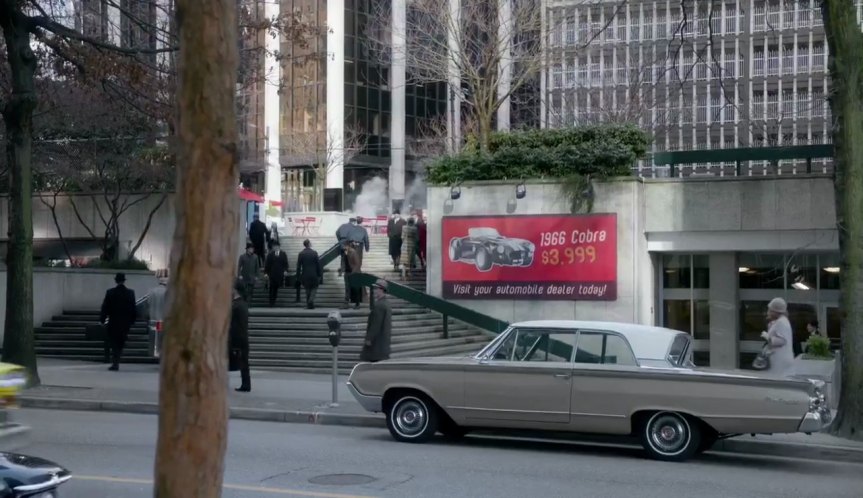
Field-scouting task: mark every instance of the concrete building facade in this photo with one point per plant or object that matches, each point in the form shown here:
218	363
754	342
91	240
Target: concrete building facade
699	255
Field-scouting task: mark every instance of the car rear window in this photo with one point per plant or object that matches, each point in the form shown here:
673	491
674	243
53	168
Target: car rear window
677	351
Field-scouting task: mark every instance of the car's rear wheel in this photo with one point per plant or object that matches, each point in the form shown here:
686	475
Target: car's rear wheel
670	436
483	259
412	418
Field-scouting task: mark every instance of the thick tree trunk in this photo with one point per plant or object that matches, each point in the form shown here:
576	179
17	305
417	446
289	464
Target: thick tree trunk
193	409
846	70
18	342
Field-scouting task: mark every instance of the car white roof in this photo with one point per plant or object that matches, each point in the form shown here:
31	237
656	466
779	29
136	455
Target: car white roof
647	342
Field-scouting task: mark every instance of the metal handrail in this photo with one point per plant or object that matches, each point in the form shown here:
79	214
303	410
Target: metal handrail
445	308
330	255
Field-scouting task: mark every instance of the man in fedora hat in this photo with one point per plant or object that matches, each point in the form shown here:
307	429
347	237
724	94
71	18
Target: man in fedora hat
118	315
376	346
276	269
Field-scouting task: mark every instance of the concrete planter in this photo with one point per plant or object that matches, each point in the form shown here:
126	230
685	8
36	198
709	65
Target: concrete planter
826	370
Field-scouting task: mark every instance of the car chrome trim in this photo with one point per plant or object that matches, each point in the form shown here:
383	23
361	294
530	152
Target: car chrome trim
503	410
370	403
603	415
55	481
811	422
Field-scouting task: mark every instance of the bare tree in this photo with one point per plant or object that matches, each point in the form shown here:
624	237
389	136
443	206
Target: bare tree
132	60
429	141
318	151
493	48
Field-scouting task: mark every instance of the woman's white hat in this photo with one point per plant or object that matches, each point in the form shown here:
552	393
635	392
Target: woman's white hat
778	305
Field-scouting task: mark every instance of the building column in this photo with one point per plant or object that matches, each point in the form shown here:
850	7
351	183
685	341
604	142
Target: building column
336	95
398	95
273	74
504	37
453	128
724	310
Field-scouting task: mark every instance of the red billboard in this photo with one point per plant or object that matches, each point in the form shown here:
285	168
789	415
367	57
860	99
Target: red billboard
530	257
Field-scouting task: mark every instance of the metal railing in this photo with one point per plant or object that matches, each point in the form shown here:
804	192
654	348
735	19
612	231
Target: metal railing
445	308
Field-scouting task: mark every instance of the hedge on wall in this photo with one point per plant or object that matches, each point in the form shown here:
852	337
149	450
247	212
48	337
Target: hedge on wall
594	152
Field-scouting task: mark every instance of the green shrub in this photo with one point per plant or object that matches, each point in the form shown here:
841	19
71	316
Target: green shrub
818	348
594	151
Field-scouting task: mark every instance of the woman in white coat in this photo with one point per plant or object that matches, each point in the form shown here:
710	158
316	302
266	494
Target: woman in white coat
780	339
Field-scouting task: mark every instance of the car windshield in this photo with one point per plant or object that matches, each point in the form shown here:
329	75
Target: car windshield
475	233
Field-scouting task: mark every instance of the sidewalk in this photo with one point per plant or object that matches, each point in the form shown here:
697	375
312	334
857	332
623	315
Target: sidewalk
305	398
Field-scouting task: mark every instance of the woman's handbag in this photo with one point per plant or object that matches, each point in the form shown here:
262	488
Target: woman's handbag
762	361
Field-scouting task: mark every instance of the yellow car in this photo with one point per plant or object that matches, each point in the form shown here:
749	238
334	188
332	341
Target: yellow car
13	378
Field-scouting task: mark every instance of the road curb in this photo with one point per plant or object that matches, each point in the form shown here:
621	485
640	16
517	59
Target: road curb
324	417
319	417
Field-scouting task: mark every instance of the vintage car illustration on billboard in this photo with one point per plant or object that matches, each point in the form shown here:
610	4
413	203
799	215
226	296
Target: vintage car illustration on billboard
485	247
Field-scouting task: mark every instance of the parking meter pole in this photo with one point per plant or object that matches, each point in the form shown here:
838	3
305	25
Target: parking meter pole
335	376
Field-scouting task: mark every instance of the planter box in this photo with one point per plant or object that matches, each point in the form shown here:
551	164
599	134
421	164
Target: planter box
825	370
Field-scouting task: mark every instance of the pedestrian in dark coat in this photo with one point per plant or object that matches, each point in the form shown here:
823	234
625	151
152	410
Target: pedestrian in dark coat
309	272
258	235
422	232
276	269
120	313
248	268
376	347
394	232
238	335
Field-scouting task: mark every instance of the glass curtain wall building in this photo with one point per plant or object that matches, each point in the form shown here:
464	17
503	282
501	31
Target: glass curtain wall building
306	144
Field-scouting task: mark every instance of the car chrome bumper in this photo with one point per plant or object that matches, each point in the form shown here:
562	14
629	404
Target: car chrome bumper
370	403
814	422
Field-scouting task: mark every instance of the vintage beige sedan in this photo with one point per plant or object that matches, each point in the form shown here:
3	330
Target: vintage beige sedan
587	377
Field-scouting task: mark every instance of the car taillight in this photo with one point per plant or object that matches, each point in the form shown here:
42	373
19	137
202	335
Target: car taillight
159	326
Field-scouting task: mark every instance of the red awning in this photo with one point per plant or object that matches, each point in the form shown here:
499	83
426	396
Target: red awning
248	195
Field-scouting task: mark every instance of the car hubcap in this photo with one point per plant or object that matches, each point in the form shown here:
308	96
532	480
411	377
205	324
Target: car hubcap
410	417
668	434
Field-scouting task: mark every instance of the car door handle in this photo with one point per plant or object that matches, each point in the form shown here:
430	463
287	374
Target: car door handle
561	376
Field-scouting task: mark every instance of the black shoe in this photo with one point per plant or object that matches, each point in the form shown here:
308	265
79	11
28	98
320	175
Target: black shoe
114	368
242	389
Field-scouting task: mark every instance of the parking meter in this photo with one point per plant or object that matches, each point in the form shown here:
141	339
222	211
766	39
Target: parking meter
334	322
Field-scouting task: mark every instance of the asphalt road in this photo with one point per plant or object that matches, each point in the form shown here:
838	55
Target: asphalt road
111	455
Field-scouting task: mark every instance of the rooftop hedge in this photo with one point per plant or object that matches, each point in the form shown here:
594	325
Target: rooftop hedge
594	152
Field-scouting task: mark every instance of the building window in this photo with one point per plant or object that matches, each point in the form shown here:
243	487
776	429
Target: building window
685	298
807	281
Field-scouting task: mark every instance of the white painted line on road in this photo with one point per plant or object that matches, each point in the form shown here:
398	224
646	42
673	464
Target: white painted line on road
235	487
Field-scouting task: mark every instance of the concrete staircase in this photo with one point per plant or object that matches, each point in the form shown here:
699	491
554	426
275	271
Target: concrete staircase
288	336
64	337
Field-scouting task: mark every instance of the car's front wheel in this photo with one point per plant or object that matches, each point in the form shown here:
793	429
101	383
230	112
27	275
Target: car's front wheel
483	259
412	419
670	436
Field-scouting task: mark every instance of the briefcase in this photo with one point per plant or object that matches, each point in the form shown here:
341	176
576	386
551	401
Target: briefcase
95	332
